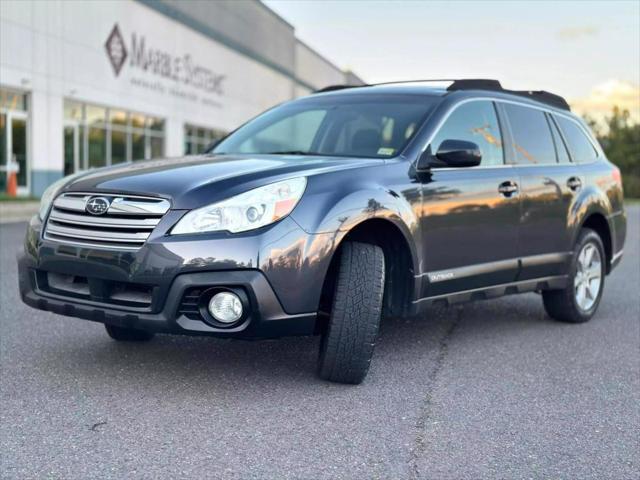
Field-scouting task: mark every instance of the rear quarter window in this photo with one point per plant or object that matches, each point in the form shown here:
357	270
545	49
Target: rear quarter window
561	146
580	147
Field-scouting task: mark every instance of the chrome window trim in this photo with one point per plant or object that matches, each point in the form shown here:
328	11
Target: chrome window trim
464	101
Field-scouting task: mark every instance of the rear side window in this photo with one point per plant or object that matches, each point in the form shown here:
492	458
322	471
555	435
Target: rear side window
533	144
580	147
475	122
561	148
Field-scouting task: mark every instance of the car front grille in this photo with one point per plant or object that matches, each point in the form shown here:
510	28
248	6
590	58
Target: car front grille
125	225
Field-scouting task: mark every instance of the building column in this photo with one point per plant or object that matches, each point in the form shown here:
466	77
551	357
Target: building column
46	149
174	137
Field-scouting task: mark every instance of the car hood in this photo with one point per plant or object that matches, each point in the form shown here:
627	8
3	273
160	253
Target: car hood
194	181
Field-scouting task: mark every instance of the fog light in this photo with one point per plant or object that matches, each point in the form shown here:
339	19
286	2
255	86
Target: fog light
225	307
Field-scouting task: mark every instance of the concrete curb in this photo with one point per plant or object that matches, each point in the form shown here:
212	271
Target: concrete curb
11	212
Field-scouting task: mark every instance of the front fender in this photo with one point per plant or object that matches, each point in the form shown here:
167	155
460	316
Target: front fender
336	206
331	212
338	202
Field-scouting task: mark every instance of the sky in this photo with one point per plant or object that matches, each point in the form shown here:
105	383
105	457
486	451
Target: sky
587	51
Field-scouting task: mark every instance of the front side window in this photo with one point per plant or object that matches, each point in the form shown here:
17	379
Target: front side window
580	147
475	122
532	139
346	126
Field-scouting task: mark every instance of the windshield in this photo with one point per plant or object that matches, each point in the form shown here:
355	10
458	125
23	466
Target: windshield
349	126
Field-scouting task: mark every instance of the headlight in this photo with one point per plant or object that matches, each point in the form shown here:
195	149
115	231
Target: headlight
253	209
50	193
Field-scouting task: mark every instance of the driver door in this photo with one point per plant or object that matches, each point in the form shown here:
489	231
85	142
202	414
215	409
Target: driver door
470	215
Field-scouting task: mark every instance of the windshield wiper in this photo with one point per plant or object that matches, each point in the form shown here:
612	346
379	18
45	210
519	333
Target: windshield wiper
292	152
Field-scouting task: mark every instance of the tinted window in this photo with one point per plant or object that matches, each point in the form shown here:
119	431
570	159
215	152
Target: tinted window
561	148
341	125
474	122
581	149
531	135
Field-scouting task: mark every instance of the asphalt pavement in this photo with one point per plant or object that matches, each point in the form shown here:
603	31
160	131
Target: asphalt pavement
492	389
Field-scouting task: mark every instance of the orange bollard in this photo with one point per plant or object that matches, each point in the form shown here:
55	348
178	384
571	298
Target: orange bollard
12	184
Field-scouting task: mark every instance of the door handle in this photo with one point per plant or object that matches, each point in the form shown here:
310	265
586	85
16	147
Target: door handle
574	183
508	188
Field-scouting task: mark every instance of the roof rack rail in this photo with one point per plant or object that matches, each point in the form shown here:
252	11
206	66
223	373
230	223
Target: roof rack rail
332	88
541	96
494	85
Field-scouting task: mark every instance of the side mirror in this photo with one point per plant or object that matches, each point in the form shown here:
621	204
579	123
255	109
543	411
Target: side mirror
452	153
458	153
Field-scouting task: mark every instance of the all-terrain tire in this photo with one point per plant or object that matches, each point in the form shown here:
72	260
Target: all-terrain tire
347	345
562	305
123	334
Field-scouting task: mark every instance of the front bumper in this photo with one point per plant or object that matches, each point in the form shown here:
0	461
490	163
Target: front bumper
279	303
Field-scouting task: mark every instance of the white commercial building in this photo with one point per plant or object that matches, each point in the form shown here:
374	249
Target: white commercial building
85	84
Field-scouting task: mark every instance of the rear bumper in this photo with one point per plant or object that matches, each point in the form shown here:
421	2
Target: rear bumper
618	227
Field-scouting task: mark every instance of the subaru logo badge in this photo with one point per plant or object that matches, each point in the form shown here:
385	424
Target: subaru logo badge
97	205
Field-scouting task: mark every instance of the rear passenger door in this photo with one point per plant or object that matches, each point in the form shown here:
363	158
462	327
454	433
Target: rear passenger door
548	183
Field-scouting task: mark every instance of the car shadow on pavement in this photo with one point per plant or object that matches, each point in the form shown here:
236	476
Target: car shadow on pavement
212	361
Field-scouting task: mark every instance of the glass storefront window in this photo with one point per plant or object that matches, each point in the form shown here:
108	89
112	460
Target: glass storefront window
157	146
137	120
118	118
96	136
14	128
19	147
137	146
73	111
118	147
197	139
69	149
3	149
155	124
13	100
95	115
97	147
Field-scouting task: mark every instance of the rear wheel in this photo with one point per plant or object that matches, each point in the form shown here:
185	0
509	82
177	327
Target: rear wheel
123	334
348	343
580	299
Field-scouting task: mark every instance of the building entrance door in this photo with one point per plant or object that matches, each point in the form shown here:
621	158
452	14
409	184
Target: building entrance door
13	149
71	148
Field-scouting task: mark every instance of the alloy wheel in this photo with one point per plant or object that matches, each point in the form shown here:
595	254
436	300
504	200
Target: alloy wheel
588	278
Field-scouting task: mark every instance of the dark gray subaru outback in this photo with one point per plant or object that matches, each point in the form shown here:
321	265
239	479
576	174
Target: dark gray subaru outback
327	212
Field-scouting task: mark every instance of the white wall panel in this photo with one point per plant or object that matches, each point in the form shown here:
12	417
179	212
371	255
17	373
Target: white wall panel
55	49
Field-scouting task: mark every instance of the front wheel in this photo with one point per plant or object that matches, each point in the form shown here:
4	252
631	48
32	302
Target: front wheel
580	299
347	345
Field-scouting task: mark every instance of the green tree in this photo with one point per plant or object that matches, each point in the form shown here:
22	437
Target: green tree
621	143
